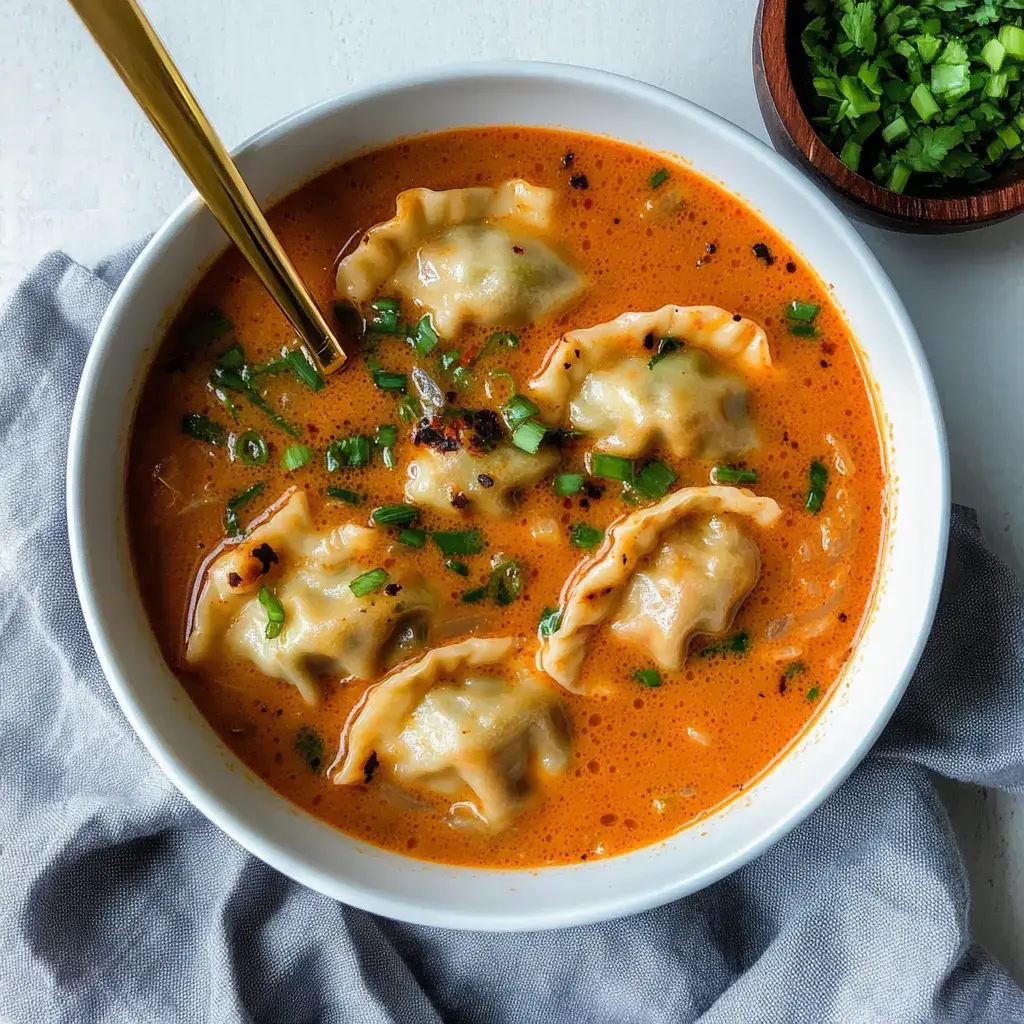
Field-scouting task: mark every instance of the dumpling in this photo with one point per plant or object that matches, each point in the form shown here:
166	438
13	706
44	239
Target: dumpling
484	483
467	255
464	720
610	382
327	629
662	575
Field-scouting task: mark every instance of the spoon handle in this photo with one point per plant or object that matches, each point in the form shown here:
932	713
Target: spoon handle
129	42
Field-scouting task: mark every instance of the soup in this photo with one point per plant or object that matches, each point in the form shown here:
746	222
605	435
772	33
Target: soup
572	548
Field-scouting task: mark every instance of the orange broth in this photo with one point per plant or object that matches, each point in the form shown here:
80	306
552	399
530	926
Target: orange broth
646	762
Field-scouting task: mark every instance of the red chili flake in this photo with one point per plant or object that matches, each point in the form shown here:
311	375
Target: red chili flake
828	348
568	159
649	341
737	317
518	250
782	685
393	589
372	764
579	181
450	396
842	616
790	268
710	248
312	428
566	366
234	580
762	252
485	481
460	500
616	220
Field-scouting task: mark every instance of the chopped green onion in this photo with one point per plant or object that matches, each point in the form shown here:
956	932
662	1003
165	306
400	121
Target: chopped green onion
550	620
1012	39
850	154
898	179
250	449
457	567
462	377
654	480
385	439
202	428
275	612
231	526
803	330
304	369
738	643
350	452
368	582
897	131
449	359
658	178
458	542
425	338
235	380
818	476
497	339
723	474
394	515
813	694
666	346
804	312
474	596
949	78
296	456
233	358
611	467
568	483
409	408
794	668
853	92
529	435
412	538
993	53
385	380
506	582
518	409
344	494
997	85
585	537
648	677
1008	137
384	316
924	103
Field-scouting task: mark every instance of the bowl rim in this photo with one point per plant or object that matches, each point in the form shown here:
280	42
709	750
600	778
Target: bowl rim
973	209
600	906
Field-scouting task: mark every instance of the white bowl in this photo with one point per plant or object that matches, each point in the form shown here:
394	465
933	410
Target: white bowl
283	157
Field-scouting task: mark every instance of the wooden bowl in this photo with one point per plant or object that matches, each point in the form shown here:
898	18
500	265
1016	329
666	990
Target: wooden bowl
781	72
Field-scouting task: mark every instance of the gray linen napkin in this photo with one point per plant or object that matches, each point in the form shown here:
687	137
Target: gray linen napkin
120	903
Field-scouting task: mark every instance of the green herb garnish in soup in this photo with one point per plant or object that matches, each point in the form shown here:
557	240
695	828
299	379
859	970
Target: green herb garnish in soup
478	595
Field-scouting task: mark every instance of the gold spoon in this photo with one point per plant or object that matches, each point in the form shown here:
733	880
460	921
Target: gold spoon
138	56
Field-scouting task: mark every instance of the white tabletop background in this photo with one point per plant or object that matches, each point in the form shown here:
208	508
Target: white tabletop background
81	170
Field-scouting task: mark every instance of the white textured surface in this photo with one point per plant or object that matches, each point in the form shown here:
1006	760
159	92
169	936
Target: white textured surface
80	169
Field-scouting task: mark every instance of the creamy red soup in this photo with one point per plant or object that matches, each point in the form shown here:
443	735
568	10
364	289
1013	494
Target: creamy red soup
528	581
